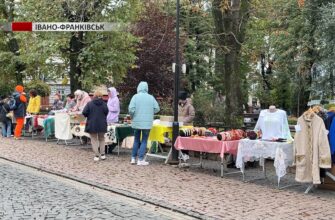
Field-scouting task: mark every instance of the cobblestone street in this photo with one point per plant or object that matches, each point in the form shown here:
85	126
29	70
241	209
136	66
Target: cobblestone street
28	194
199	192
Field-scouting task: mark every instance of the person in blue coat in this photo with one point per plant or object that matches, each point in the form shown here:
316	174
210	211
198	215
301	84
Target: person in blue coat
142	108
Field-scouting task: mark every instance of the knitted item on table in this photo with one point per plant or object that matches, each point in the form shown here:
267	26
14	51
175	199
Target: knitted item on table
252	135
231	135
213	130
186	132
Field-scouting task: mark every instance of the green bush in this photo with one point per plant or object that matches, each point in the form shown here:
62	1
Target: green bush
206	109
41	87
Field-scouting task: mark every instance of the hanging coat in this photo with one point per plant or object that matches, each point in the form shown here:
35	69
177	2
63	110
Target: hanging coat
311	148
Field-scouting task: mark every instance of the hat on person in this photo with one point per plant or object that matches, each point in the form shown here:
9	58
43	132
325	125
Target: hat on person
182	95
19	88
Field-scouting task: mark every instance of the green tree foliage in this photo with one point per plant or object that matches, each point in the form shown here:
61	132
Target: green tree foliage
88	58
41	87
286	34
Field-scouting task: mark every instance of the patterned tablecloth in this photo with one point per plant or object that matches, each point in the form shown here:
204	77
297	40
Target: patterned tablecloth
251	150
207	144
115	133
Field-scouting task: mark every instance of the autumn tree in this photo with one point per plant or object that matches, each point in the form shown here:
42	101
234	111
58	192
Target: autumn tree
155	54
230	19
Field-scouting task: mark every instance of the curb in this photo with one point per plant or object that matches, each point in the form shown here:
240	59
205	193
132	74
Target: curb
121	192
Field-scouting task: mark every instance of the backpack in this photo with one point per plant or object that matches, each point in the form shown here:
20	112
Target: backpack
12	103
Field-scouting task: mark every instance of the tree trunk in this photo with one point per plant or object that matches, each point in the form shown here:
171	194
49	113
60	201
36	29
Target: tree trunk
230	24
75	73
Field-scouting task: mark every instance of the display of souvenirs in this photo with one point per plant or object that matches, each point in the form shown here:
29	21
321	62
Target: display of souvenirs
252	135
197	131
231	135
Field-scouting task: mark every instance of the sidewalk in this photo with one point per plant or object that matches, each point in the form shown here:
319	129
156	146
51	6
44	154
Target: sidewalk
200	191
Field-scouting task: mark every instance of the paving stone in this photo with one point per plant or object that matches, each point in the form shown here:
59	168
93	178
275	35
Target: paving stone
16	193
193	190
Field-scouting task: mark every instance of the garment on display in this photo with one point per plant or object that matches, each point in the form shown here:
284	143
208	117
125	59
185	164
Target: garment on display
311	148
273	124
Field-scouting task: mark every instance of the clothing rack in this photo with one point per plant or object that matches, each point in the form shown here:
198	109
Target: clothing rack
330	175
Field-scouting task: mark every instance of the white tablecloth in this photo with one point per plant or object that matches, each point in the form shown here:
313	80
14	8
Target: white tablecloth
79	131
251	150
63	126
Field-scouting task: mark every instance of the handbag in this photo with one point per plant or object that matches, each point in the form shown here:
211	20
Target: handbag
9	115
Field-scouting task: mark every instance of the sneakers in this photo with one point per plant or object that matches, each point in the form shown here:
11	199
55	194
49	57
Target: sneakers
133	161
103	157
142	163
96	159
184	157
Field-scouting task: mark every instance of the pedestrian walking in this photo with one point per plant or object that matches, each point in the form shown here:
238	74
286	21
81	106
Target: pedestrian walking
142	108
96	125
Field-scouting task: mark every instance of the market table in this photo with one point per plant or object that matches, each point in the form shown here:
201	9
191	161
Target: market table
48	125
115	134
209	145
159	133
252	150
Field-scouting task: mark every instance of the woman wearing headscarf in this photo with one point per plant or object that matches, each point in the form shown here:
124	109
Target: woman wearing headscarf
113	105
82	98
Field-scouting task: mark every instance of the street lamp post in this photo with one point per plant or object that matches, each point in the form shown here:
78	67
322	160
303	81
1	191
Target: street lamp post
175	128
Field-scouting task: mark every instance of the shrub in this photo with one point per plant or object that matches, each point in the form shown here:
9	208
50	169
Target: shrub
41	87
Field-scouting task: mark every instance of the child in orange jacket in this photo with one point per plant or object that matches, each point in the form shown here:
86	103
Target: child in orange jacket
19	111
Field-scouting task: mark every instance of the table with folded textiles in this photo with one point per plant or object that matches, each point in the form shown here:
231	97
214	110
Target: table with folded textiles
48	125
39	123
115	134
208	145
254	150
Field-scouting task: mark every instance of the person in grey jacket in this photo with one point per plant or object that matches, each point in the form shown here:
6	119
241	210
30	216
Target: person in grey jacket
142	108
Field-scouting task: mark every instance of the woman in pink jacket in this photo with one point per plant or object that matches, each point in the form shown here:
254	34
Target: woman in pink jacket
82	98
113	105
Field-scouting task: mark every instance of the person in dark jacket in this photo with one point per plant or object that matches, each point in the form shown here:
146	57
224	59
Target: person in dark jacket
5	122
96	125
19	111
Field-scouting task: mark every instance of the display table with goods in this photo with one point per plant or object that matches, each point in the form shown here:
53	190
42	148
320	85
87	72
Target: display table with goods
260	150
64	123
115	134
272	139
161	133
32	125
48	124
205	144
